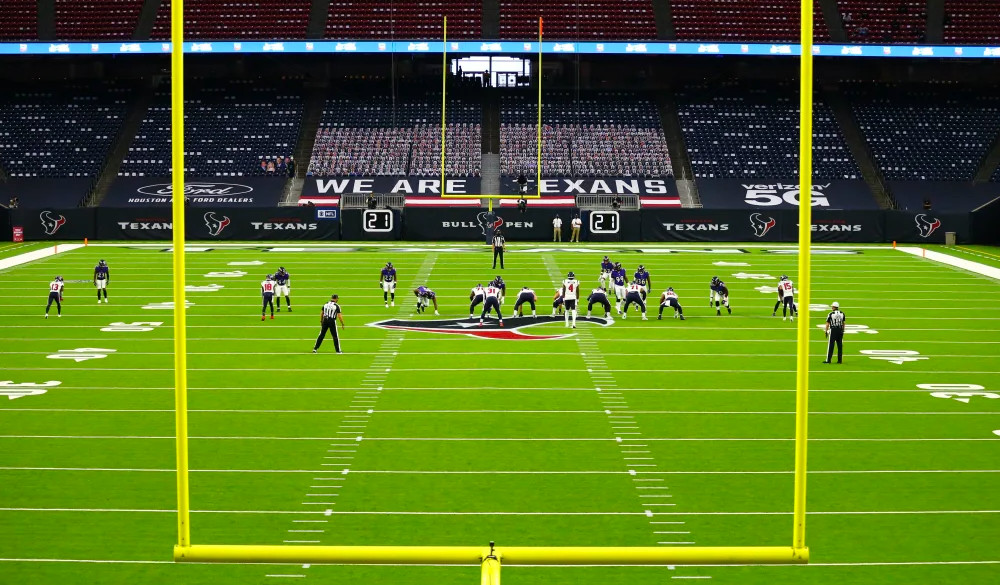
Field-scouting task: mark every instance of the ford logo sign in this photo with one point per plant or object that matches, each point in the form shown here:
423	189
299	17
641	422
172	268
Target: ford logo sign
197	189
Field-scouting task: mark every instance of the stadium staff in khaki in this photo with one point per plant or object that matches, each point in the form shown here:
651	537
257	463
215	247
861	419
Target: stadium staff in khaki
328	319
575	224
557	229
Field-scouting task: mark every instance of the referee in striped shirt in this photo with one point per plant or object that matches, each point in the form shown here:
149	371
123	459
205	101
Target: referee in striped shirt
835	333
328	319
499	245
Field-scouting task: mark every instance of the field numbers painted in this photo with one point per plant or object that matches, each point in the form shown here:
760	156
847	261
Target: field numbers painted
13	390
746	276
119	327
770	290
850	329
730	263
895	356
226	274
818	308
203	288
960	392
250	263
166	306
81	354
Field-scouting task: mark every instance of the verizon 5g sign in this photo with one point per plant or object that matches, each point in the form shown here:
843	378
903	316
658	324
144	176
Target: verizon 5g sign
780	194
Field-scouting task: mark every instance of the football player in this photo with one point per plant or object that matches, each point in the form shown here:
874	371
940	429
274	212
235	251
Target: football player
492	302
719	292
634	294
525	296
570	292
642	279
618	276
281	287
55	295
558	304
267	287
425	297
604	280
387	281
102	277
500	284
669	299
786	291
477	296
599	296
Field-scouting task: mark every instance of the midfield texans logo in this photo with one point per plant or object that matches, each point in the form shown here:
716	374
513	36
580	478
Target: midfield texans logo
761	225
485	225
215	225
51	224
490	330
926	225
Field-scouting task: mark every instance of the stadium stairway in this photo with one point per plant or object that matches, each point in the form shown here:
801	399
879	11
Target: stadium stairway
834	21
46	20
319	13
119	150
991	162
859	148
147	18
679	160
664	20
491	19
312	113
491	174
935	21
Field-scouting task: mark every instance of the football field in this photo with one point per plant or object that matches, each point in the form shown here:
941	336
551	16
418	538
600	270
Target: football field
623	433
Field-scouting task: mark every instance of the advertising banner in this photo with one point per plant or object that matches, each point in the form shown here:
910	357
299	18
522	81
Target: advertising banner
705	225
926	228
770	194
279	223
44	193
207	192
460	224
571	186
154	223
371	224
391	185
54	224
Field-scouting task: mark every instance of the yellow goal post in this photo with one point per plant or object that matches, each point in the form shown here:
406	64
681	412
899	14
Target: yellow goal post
491	558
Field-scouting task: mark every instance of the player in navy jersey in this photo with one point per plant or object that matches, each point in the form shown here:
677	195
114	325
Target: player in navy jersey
618	280
387	281
642	278
267	287
425	297
669	299
719	293
477	296
55	296
500	284
558	303
102	277
525	296
282	287
604	280
599	296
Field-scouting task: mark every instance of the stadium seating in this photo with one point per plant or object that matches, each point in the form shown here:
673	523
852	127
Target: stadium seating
58	133
743	20
372	136
937	132
376	19
229	128
971	21
601	134
579	20
237	19
19	20
745	131
873	21
84	20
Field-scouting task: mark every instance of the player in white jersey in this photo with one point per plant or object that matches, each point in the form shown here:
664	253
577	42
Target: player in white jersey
525	296
634	295
669	299
478	295
267	288
55	296
492	302
787	291
571	292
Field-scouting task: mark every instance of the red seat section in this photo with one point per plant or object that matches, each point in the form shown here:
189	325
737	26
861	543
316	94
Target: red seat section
581	20
19	20
240	19
881	22
377	19
86	20
737	21
971	21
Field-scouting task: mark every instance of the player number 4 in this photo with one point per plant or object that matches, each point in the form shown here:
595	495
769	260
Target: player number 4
895	356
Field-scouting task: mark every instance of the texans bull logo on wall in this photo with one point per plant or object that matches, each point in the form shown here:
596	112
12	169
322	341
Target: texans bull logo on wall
488	227
490	330
926	225
215	224
761	225
50	223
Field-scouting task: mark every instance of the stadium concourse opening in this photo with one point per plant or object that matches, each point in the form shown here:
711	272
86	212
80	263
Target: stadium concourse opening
490	559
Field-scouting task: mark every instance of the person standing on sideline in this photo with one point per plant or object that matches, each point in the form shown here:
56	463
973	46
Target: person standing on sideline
835	333
328	319
499	246
576	223
557	229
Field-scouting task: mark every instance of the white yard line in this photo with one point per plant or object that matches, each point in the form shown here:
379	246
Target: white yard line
26	257
620	436
463	412
442	513
954	261
496	472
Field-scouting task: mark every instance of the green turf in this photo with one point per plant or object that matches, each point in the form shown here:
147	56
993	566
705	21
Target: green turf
471	440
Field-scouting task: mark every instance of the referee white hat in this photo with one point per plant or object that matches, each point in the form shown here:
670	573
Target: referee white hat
835	305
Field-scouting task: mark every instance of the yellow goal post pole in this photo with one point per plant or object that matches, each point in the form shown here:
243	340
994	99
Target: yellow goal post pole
180	309
538	162
805	273
444	97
